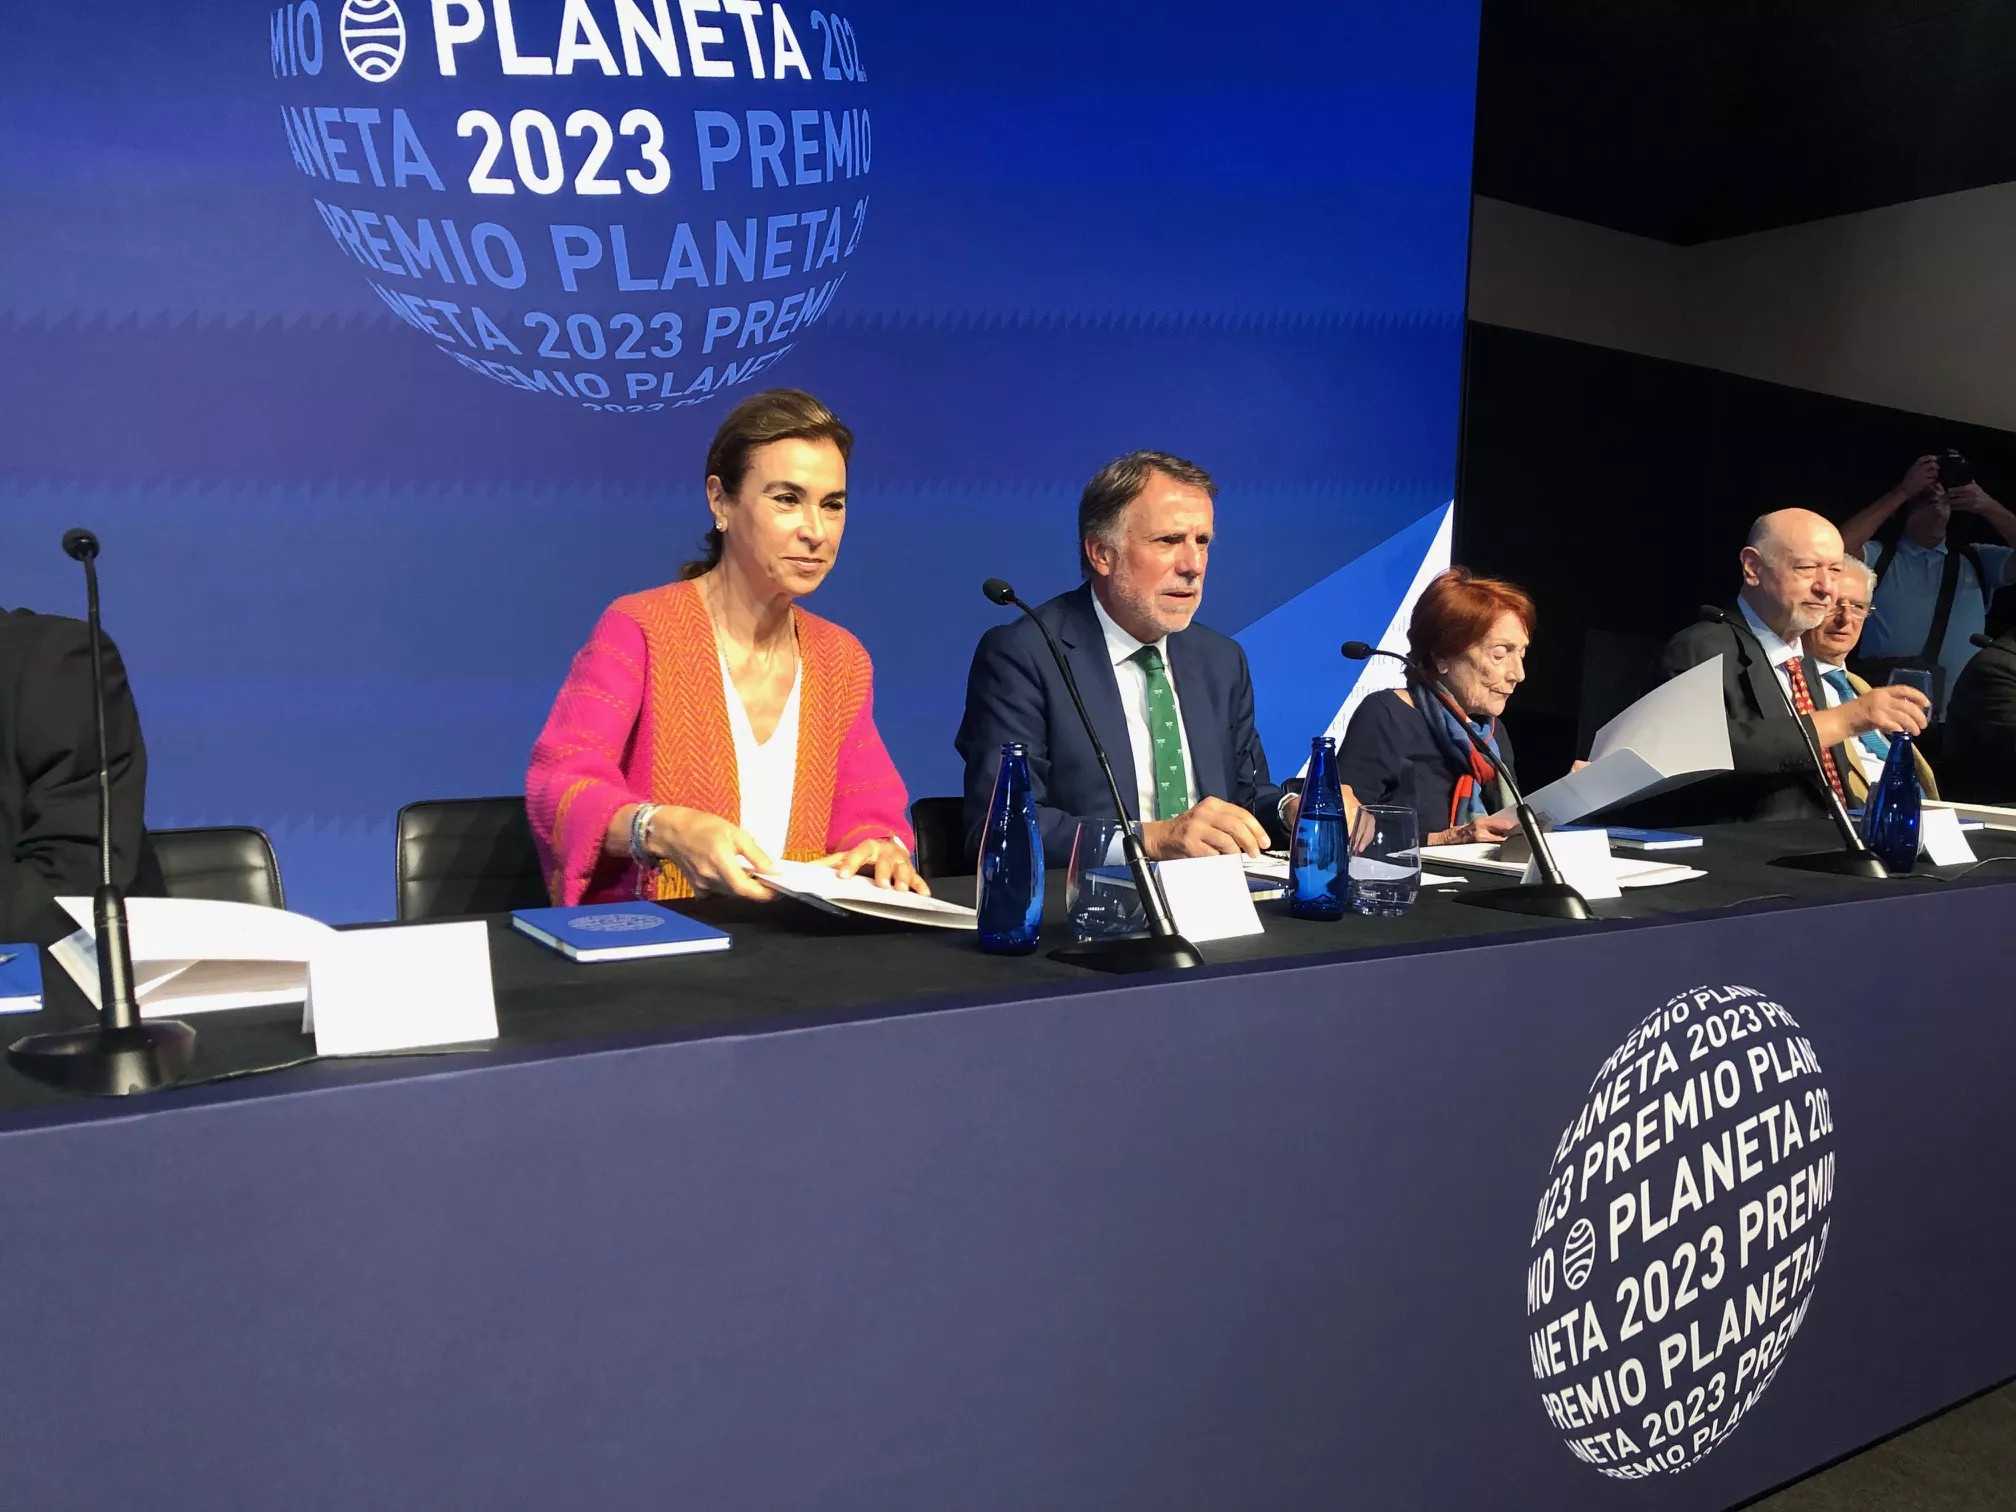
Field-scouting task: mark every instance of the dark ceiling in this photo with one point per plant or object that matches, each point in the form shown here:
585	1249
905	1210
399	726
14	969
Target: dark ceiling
1694	121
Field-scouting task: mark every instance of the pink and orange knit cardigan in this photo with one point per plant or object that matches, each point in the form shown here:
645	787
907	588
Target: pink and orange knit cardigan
643	717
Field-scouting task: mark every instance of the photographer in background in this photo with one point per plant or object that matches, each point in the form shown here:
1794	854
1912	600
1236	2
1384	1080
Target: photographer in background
1932	594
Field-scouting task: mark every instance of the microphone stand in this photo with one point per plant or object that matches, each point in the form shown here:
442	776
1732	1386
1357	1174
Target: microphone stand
1854	859
1162	948
1549	898
120	1054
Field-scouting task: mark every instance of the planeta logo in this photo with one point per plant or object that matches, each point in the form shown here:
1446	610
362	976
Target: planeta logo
1674	1250
373	33
618	923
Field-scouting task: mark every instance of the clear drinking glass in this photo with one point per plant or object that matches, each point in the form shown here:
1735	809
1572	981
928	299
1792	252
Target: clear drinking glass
1100	900
1912	677
1385	861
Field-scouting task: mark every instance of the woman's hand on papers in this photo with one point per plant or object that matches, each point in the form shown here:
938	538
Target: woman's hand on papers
716	856
1488	830
883	862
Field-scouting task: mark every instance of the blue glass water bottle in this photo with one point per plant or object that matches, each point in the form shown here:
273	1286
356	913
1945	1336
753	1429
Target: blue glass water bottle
1891	813
1011	861
1317	860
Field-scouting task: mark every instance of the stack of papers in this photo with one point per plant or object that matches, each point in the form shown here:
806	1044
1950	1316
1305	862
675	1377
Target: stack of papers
1985	814
1674	735
1631	872
195	955
826	889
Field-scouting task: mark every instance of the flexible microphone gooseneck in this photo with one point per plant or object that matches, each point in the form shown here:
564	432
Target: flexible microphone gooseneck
1854	859
1163	949
120	1054
1551	896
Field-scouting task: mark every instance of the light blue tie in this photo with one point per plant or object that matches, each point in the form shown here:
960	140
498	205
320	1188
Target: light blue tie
1876	742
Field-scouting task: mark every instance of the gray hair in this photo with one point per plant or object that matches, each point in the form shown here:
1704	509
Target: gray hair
1853	563
1118	484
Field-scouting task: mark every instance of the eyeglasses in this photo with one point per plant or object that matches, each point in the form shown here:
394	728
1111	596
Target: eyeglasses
1851	609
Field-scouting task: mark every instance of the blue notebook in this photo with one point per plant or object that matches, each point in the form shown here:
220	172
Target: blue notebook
1650	840
617	931
20	979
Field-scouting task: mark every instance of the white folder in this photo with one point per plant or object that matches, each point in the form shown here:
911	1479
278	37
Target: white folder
196	955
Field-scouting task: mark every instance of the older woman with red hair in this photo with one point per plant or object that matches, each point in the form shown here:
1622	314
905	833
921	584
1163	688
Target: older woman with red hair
1405	746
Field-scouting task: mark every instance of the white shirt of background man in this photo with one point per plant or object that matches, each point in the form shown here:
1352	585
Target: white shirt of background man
1872	769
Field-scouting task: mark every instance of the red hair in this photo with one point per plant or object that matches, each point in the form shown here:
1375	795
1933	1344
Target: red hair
1457	610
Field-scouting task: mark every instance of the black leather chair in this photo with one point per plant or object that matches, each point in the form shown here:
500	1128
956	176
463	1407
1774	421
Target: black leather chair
225	864
467	856
940	824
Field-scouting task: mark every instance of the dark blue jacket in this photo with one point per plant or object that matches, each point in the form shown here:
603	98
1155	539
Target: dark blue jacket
1015	692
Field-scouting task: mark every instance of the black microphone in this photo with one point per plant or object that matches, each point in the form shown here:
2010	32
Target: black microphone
1551	896
1163	949
120	1054
1985	642
1854	858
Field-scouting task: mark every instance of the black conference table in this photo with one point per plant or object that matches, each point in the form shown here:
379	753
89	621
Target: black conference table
1461	1209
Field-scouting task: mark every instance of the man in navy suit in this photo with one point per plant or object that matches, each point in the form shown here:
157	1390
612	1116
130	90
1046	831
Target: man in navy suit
1172	701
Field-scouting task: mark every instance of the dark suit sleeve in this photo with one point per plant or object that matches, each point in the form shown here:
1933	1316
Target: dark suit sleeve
1762	742
1246	774
1993	715
56	751
1007	699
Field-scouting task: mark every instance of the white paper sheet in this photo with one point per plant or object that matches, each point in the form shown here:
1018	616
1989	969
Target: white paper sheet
1993	816
1941	840
1585	862
823	887
1674	735
1208	898
404	988
1273	868
1631	871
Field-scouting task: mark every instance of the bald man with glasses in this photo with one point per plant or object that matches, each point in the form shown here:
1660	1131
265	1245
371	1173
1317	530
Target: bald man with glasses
1830	644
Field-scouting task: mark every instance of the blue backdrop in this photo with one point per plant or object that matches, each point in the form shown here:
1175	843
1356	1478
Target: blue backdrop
348	571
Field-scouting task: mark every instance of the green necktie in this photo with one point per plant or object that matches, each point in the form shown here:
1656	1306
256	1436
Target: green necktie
1165	736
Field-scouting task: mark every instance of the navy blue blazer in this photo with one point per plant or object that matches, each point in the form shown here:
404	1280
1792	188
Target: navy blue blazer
1014	692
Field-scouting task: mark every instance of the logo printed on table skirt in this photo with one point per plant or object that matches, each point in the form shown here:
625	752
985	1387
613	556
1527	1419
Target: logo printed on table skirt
1674	1250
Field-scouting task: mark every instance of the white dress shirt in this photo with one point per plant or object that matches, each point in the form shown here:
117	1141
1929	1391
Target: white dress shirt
1121	646
765	773
1872	767
1776	647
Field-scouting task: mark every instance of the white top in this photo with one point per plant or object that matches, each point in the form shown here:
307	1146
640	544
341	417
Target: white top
765	773
1121	646
1872	768
1778	649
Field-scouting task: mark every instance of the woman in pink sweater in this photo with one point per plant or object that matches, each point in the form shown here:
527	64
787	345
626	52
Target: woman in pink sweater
711	725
